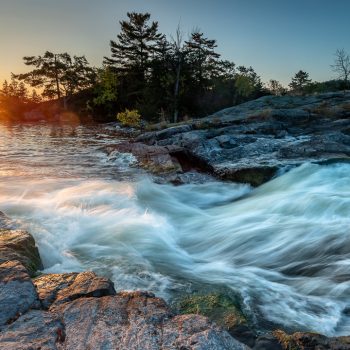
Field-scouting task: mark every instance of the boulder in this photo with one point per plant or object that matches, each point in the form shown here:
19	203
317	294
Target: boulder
64	287
20	245
17	292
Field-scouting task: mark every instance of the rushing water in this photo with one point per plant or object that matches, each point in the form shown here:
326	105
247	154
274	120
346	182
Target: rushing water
284	247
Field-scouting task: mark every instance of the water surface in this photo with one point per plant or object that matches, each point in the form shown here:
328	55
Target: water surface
283	247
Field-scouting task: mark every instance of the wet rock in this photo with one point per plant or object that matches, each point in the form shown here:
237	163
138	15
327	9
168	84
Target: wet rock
311	341
156	159
61	288
17	292
36	329
5	222
254	176
20	245
267	342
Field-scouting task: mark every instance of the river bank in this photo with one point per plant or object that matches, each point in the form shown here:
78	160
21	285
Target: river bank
251	142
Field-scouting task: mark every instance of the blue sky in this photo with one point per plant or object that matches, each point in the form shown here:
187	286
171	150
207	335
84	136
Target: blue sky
276	37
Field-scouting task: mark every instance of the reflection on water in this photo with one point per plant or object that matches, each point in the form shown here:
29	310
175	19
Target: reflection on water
284	247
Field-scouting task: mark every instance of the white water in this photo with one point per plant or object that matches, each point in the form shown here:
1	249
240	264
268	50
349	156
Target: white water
284	247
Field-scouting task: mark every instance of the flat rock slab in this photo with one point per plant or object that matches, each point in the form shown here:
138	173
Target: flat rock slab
20	245
17	292
61	288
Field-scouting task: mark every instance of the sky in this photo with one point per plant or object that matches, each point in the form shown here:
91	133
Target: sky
276	37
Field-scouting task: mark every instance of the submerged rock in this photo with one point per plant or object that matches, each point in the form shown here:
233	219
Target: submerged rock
17	292
61	288
20	245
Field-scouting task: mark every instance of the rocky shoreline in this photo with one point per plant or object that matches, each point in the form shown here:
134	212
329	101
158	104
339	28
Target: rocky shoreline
83	311
252	142
249	143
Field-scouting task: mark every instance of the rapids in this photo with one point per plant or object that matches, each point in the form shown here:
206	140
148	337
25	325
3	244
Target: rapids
283	247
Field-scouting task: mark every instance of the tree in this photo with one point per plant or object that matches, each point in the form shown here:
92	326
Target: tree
201	53
299	82
135	45
105	93
276	88
178	54
341	65
35	97
58	74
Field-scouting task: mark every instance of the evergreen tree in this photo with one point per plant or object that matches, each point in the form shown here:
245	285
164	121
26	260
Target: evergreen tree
299	82
202	56
5	88
135	45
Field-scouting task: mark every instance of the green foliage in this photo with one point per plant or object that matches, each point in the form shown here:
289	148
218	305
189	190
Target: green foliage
105	93
129	118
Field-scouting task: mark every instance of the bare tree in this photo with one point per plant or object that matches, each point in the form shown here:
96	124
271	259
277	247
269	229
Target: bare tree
178	51
342	65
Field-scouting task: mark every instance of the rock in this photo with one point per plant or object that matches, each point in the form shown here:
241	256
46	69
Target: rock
20	245
156	159
17	292
222	310
267	342
61	288
36	329
311	341
5	222
250	142
137	320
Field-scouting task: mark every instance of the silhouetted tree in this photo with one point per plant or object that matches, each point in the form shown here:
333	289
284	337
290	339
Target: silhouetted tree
58	74
299	82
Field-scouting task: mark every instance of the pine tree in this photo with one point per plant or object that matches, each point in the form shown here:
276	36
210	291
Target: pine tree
5	88
58	74
299	82
202	55
135	45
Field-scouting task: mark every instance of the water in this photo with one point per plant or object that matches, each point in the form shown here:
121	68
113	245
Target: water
283	247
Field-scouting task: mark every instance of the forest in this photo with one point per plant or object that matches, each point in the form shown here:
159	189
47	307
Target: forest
147	77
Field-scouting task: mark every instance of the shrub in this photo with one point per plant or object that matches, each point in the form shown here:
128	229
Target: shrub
130	118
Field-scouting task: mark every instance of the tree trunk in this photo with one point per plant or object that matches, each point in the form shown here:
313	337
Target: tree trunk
58	91
176	92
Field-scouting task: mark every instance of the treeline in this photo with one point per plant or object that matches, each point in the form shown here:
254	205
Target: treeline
157	77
